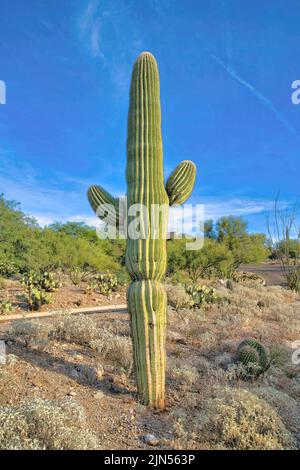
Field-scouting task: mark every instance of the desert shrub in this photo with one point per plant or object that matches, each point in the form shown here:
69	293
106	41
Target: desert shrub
90	287
46	281
33	333
7	268
243	276
187	322
177	296
43	425
120	327
79	329
78	275
286	406
185	376
202	294
239	420
117	349
107	283
37	288
6	307
35	298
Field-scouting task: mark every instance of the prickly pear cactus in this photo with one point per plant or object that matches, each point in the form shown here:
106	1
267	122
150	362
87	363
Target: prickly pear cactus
146	256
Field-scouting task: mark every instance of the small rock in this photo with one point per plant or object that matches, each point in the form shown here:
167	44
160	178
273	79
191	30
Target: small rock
78	357
151	440
36	383
99	395
74	374
115	389
72	393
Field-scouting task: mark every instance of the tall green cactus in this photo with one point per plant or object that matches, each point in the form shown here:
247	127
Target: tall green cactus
146	257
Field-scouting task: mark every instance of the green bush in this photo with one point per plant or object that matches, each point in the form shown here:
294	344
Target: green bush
7	268
202	294
36	298
243	276
46	281
6	307
107	283
35	286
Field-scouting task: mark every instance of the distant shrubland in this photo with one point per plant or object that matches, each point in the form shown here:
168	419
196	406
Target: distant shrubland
75	248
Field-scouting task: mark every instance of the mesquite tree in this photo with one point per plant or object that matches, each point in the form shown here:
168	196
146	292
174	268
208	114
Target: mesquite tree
146	256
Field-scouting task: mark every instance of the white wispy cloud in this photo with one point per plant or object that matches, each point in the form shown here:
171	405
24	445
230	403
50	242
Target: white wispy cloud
260	96
90	26
113	38
60	198
214	209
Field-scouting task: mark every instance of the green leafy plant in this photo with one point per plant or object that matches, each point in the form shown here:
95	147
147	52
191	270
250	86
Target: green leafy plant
35	292
202	294
78	275
48	281
243	276
36	298
254	358
106	283
6	307
7	268
90	287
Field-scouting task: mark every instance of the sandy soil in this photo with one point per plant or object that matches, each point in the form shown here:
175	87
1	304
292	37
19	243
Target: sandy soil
68	296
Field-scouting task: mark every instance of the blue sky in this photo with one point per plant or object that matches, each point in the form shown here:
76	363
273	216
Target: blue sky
226	70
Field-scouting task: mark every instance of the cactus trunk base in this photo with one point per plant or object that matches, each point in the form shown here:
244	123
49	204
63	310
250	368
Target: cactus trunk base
147	304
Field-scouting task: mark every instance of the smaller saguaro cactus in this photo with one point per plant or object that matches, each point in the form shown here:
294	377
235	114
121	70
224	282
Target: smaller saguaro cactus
253	356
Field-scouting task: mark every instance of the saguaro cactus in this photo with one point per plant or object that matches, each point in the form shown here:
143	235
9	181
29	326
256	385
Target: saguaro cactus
146	257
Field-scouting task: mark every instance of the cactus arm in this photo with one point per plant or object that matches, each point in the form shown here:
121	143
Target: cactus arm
181	182
97	196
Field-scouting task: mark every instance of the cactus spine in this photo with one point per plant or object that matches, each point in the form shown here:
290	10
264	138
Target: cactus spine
146	257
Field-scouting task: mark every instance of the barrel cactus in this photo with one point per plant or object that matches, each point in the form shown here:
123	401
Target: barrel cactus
146	256
253	356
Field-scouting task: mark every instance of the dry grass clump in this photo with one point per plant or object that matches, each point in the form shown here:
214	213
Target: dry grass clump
238	419
119	327
31	333
7	380
286	406
177	296
43	425
116	349
79	329
183	375
187	322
